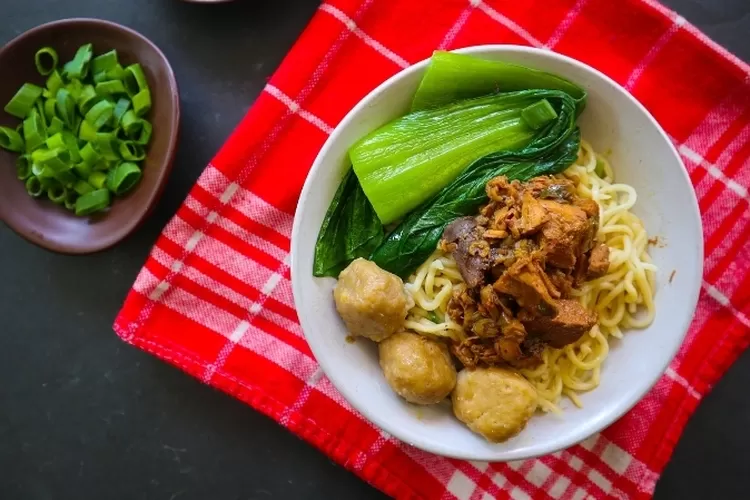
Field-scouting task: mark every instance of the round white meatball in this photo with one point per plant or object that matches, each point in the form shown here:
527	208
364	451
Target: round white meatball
372	302
494	402
418	369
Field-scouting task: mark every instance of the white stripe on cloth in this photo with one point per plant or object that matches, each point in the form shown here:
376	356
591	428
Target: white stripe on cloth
722	299
683	382
714	171
677	23
235	229
457	25
246	202
208	180
565	24
508	23
352	26
461	486
304	395
717	121
145	282
241	338
228	293
295	108
240	266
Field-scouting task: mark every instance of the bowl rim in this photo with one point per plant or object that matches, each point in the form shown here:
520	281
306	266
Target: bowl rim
133	223
371	414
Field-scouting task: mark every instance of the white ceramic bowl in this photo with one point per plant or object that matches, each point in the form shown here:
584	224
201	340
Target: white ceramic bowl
641	155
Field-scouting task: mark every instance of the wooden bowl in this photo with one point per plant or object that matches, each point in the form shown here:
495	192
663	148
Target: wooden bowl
52	226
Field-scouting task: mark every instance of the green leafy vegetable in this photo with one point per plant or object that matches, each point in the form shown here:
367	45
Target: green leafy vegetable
410	159
350	229
451	77
412	242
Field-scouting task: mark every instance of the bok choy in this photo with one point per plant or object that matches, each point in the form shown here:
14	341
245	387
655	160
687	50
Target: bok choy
410	159
473	120
451	77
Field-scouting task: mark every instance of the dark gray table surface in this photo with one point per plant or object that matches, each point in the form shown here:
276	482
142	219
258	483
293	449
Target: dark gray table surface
83	415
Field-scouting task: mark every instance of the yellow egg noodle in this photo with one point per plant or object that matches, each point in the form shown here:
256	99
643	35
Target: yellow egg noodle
623	298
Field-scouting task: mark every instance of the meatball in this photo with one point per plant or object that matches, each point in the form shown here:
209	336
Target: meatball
418	369
372	302
494	402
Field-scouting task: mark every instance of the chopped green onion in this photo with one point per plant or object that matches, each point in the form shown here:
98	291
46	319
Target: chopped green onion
54	83
55	141
57	194
56	125
134	79
21	104
66	107
34	187
82	187
33	131
104	62
100	114
539	114
78	68
105	165
145	135
86	132
46	60
47	179
87	98
82	170
11	140
123	178
39	107
97	179
57	159
49	109
116	73
71	143
89	155
23	167
121	107
82	135
37	169
70	199
131	125
106	144
110	87
131	151
92	202
75	87
142	103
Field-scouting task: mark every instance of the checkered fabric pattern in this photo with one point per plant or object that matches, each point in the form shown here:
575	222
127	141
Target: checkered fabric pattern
215	299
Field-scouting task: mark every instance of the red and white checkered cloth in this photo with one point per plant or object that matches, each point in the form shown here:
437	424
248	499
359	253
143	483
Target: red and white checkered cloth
215	299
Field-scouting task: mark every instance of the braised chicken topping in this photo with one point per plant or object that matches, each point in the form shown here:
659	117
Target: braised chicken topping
520	259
